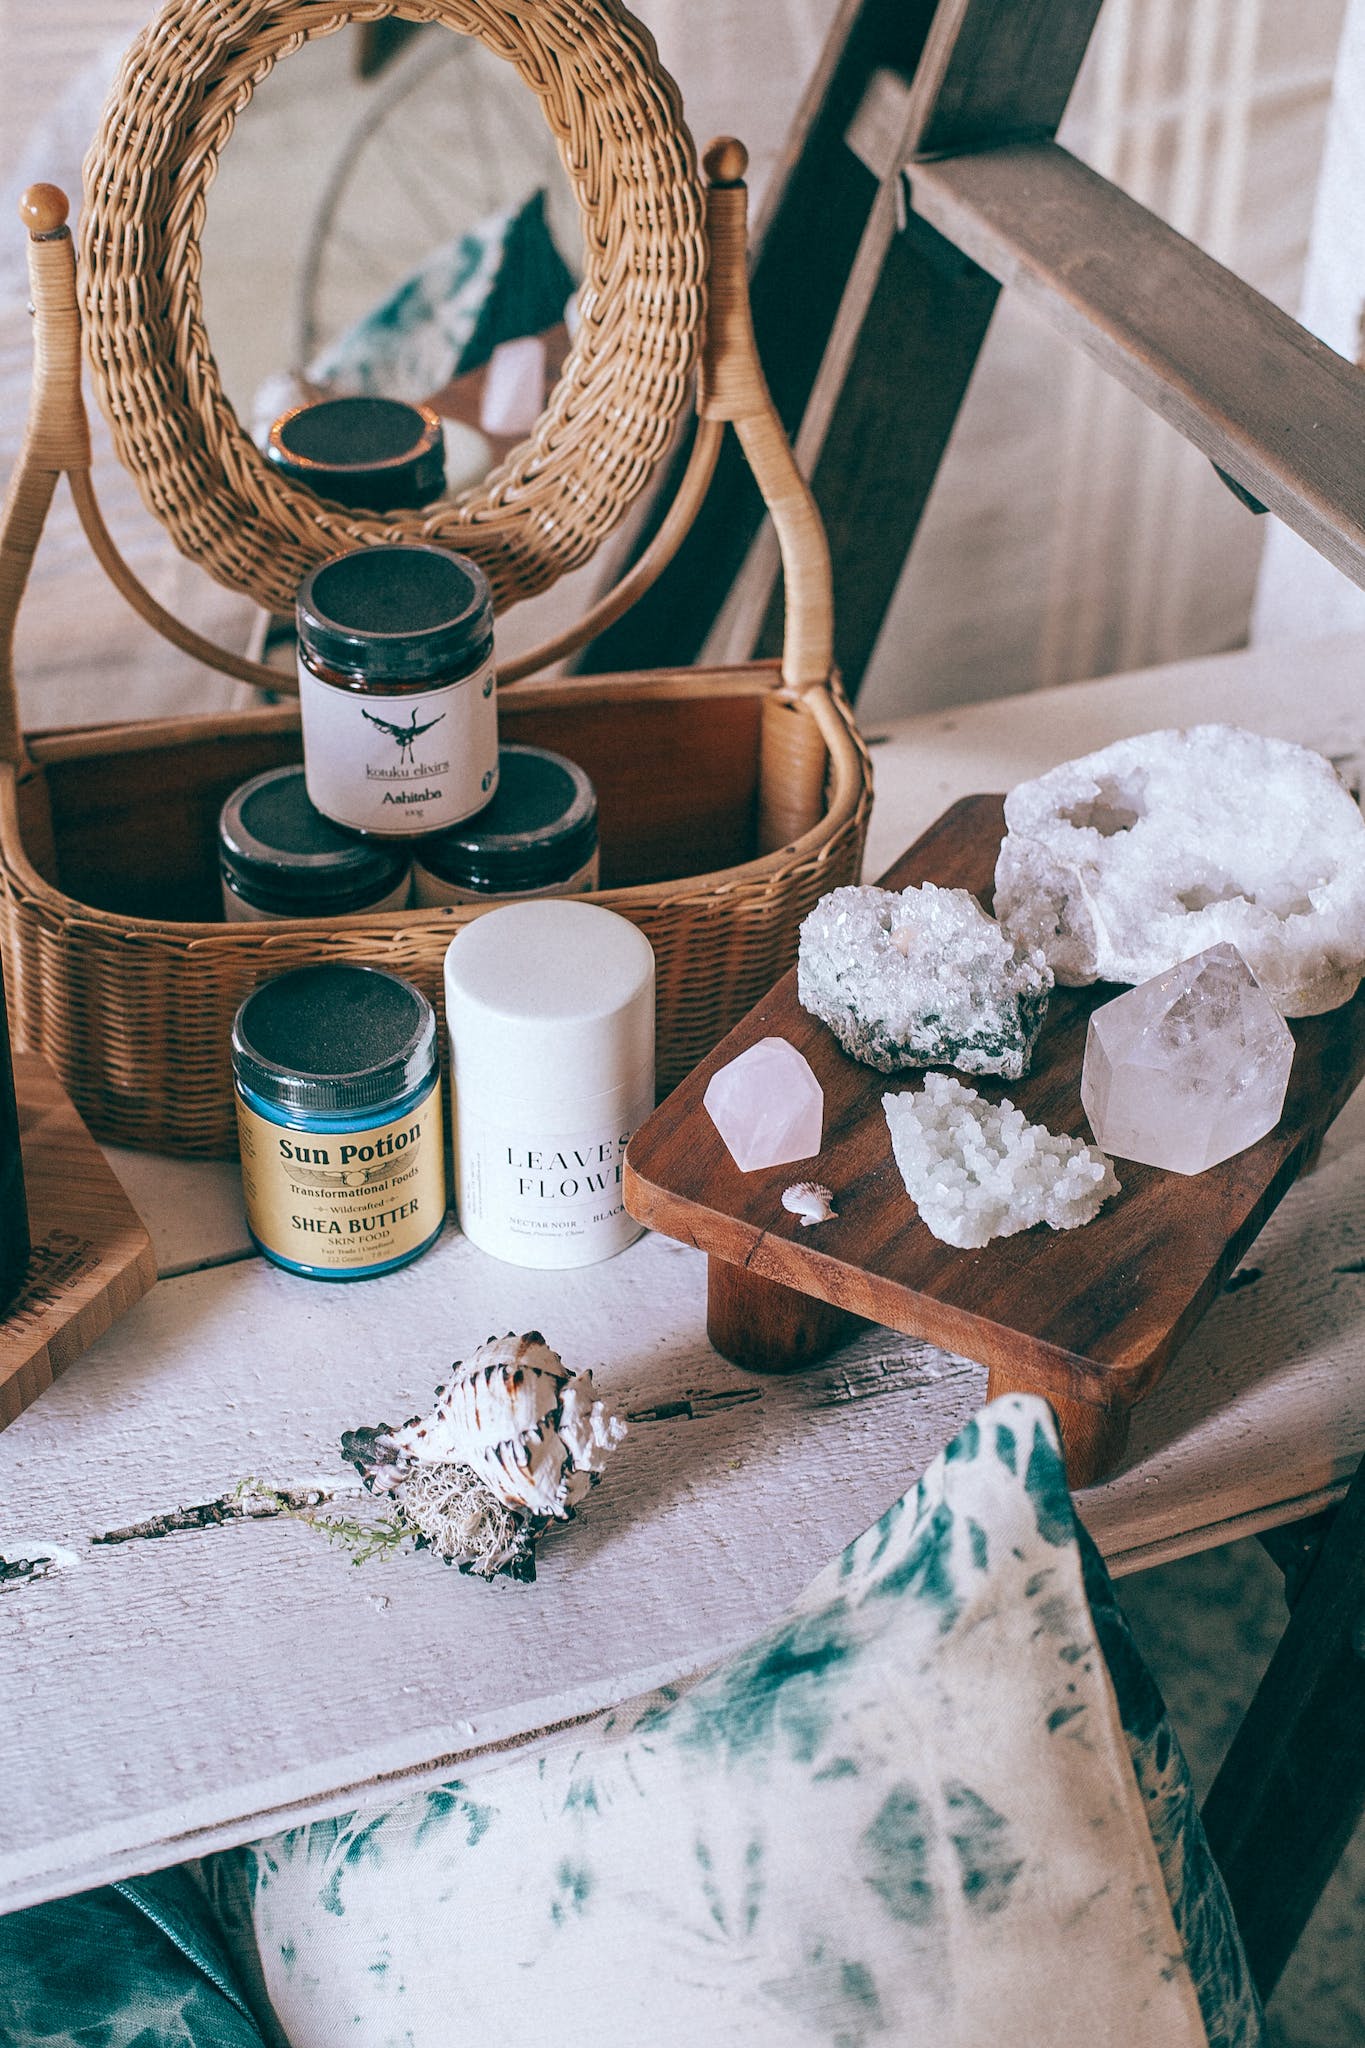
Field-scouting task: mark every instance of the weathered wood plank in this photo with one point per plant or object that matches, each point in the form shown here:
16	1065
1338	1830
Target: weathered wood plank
990	73
1266	401
884	438
838	295
805	246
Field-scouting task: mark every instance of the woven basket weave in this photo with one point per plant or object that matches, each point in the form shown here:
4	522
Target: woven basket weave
755	775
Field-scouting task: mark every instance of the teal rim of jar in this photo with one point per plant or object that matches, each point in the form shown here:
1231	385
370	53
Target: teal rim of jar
334	1040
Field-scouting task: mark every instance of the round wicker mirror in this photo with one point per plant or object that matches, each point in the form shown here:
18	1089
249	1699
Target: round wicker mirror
617	121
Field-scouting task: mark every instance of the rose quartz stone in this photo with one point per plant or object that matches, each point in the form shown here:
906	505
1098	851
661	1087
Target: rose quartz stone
767	1105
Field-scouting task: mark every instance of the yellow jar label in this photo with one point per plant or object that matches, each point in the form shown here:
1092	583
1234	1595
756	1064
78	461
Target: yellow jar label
344	1200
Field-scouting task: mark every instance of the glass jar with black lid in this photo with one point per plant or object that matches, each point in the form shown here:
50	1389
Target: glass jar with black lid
339	1120
278	857
538	837
397	689
371	454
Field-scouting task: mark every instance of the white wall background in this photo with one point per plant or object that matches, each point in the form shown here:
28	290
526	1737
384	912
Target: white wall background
1298	593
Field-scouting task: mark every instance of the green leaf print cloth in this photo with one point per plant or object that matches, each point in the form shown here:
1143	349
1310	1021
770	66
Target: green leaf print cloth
939	1801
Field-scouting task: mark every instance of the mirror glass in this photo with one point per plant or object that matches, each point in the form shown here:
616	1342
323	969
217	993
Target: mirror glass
391	218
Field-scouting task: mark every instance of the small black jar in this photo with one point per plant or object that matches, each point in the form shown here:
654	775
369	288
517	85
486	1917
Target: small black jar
371	454
396	689
538	837
279	857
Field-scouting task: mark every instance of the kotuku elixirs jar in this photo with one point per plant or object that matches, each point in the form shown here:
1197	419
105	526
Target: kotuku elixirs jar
396	690
551	1013
278	857
339	1120
538	837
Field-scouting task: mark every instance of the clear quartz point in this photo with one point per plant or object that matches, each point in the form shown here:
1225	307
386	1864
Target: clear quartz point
767	1105
1188	1069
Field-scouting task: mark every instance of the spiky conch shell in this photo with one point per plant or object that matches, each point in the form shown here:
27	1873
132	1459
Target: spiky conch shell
535	1433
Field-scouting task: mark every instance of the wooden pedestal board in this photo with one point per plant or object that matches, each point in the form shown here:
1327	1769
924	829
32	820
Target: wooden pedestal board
1088	1318
91	1258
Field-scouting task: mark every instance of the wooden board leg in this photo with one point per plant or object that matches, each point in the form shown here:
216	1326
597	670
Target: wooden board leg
767	1327
1093	1438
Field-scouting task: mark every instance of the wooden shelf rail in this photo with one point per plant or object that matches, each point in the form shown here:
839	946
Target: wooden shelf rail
1278	410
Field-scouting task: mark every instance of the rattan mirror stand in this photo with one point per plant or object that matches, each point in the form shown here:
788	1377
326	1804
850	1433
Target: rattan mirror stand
730	389
737	797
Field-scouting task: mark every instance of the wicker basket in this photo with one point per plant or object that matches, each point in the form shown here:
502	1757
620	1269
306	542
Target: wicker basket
730	799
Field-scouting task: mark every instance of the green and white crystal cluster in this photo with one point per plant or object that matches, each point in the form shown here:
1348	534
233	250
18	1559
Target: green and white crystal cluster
920	978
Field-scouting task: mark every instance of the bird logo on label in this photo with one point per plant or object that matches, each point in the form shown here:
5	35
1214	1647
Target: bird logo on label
406	736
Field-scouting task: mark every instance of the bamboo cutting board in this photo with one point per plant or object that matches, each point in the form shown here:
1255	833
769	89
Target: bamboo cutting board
1087	1317
92	1257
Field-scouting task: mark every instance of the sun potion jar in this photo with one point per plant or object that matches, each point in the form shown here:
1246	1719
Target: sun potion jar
538	837
551	1013
278	857
396	690
339	1121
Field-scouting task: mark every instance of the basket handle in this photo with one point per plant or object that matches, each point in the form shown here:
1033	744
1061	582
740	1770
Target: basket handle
57	440
732	387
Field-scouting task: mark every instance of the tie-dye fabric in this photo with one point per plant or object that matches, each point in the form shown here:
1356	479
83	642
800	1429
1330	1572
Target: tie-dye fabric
911	1811
137	1965
502	279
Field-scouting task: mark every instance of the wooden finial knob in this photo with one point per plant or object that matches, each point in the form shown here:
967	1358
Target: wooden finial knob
726	160
43	209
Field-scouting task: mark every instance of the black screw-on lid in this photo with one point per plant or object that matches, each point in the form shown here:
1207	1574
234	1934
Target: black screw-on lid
373	454
540	827
333	1040
286	857
397	613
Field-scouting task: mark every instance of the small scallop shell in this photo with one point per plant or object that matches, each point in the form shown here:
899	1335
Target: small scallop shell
811	1202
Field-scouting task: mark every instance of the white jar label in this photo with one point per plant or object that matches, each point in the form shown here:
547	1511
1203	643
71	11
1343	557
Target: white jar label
401	765
344	1201
543	1198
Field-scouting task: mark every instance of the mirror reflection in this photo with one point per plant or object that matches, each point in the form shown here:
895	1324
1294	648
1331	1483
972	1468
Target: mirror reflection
391	220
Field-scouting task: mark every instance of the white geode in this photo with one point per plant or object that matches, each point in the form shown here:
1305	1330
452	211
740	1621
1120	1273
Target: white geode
921	978
1125	862
977	1170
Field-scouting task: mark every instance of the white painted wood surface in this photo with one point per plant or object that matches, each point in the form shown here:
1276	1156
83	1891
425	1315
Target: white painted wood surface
162	1696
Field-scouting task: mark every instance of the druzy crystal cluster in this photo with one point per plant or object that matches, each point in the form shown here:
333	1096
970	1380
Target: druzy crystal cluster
977	1170
1121	864
1188	1069
922	978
